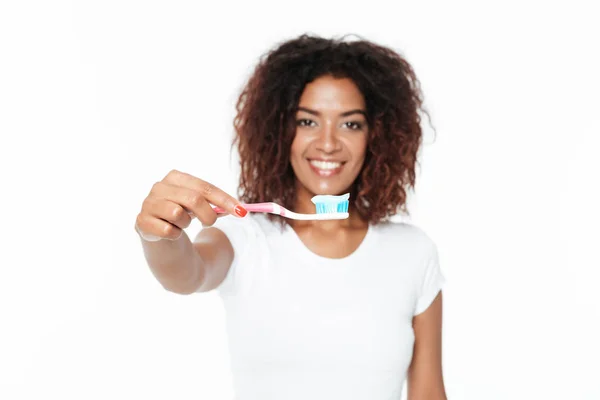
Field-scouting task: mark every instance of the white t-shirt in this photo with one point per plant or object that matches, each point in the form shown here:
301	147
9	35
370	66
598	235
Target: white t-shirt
301	326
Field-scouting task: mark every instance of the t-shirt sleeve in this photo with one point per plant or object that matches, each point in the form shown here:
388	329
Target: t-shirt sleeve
246	238
432	281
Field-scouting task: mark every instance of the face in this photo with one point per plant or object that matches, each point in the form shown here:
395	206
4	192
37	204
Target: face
329	147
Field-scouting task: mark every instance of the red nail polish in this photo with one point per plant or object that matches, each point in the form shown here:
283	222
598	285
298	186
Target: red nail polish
241	211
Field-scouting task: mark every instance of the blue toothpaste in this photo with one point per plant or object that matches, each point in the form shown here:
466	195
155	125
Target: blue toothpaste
331	204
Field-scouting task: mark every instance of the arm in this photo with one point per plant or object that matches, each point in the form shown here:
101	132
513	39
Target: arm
216	252
178	264
184	267
425	379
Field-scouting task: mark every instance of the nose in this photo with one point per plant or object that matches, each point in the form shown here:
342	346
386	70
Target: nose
328	140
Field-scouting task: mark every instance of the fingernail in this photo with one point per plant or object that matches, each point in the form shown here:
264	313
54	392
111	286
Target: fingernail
241	211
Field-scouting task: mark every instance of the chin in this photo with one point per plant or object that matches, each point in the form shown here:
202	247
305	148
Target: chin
333	187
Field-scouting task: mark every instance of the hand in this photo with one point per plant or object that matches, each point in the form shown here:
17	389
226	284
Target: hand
172	203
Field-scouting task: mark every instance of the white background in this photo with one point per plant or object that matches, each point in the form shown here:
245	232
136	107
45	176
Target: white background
98	100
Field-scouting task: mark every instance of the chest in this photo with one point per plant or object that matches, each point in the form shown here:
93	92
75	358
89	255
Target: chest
328	245
303	315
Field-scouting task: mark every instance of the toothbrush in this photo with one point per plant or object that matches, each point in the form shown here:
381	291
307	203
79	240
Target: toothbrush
327	207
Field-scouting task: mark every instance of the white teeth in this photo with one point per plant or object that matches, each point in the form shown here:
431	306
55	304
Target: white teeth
325	164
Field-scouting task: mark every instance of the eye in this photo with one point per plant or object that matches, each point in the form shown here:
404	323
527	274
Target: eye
354	125
305	122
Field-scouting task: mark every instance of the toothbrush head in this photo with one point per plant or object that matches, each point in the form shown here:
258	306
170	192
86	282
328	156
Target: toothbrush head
326	204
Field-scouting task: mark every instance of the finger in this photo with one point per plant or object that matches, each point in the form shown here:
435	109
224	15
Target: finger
213	194
153	229
170	212
216	218
205	213
190	200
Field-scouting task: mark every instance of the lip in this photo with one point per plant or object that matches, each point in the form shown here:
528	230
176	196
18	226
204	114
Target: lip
326	173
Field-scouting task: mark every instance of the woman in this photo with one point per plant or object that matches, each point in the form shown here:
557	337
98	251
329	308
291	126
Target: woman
339	309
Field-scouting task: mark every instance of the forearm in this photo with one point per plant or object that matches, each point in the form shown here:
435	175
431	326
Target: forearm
426	389
432	395
174	263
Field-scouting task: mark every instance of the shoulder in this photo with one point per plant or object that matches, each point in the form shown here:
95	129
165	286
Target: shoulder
405	234
408	245
248	237
251	221
252	227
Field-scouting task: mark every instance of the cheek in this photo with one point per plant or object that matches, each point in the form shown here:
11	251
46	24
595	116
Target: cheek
295	150
299	146
358	147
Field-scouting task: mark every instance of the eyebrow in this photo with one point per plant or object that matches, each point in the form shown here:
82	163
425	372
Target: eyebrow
344	114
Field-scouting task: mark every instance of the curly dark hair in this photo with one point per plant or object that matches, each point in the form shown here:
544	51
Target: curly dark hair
265	121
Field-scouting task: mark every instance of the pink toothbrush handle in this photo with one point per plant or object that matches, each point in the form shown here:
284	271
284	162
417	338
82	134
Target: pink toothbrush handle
255	207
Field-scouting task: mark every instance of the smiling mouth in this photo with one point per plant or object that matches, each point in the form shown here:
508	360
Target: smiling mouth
326	168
